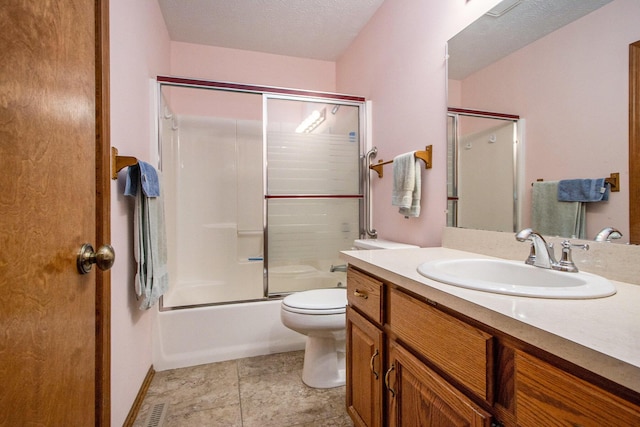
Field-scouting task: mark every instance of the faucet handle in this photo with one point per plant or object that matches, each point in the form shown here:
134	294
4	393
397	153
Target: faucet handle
566	262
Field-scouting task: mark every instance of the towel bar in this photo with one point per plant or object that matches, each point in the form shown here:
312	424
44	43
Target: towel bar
425	155
120	162
613	180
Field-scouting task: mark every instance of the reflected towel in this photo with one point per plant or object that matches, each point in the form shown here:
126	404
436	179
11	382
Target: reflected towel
554	218
406	184
583	190
149	241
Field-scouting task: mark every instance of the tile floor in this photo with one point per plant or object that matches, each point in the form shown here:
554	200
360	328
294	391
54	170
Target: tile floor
257	391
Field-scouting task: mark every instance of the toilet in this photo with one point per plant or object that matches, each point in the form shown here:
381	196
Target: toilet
320	314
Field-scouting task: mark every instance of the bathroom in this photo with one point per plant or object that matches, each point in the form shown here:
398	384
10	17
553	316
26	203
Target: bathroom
413	51
398	62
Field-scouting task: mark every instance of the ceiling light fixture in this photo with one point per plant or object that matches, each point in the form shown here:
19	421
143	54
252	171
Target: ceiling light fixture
312	122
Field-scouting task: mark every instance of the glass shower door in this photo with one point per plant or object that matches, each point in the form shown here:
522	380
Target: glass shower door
211	150
313	193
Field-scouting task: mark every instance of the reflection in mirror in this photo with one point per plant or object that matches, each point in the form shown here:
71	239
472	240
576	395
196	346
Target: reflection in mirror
482	156
569	84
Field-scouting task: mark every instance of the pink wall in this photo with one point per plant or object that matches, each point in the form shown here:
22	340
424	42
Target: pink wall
571	87
231	65
139	50
398	62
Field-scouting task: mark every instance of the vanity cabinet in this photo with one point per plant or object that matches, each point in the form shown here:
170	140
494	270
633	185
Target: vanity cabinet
412	362
416	395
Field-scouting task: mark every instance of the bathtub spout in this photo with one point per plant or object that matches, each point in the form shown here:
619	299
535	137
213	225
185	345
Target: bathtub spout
342	267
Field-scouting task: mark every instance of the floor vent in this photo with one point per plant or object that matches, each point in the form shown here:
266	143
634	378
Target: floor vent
157	414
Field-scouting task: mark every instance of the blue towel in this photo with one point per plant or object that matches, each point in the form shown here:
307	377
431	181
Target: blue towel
147	176
583	190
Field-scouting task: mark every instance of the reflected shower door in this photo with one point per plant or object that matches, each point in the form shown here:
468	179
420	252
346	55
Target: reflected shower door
314	191
482	177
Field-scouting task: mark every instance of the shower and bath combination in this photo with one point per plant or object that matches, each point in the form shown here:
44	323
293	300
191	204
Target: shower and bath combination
263	188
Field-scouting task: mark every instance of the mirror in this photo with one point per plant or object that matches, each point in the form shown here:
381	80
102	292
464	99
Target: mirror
562	66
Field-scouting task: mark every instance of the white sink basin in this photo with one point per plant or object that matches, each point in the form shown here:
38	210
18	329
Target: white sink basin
516	278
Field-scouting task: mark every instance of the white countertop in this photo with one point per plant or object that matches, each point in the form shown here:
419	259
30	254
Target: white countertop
601	335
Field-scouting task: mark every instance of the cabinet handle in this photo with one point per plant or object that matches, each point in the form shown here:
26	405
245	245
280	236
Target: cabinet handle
371	363
360	294
386	380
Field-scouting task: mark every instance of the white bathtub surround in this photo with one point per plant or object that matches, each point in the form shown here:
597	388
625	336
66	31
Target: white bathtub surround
200	335
600	335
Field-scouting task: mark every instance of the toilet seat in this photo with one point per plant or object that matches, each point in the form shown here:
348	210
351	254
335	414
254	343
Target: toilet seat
317	302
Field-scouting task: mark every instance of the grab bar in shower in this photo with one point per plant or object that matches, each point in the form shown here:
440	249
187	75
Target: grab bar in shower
425	155
371	232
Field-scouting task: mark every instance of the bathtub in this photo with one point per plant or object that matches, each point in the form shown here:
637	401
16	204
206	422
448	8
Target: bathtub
210	334
206	334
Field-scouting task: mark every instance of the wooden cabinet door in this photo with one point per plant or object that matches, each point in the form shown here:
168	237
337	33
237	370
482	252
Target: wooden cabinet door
548	396
419	397
364	365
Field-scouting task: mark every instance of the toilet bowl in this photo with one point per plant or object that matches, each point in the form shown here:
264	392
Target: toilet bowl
320	315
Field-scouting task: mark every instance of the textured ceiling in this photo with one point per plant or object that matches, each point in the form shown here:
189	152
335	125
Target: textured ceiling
489	39
316	29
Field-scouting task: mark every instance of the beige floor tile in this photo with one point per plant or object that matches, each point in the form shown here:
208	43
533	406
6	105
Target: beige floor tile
271	364
283	400
253	392
226	416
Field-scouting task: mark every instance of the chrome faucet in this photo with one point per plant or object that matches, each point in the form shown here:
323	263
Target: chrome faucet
542	254
342	267
608	233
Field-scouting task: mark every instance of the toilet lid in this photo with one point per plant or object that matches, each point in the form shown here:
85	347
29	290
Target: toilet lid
317	301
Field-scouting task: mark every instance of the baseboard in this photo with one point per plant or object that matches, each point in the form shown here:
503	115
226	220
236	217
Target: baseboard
135	408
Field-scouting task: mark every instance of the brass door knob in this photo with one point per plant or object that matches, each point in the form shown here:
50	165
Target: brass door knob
103	258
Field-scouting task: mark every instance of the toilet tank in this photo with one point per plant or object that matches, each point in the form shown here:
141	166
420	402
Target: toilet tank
368	244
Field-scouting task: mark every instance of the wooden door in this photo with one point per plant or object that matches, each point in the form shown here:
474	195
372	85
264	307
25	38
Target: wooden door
51	80
364	371
634	143
419	397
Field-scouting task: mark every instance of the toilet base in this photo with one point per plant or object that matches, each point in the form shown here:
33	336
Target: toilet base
324	362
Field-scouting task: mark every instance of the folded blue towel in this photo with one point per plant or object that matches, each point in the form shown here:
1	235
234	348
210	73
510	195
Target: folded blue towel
147	176
583	190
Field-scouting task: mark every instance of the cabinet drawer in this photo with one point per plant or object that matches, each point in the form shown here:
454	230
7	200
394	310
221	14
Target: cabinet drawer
546	395
364	292
461	350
